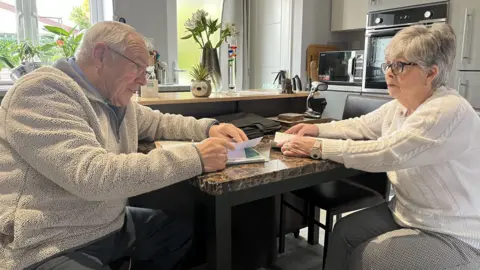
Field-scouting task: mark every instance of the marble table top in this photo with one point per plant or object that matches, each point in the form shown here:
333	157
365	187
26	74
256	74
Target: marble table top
239	177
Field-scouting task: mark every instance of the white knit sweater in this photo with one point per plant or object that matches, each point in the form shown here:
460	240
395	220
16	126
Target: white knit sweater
431	157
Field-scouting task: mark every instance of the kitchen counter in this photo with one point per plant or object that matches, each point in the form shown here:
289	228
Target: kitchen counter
187	97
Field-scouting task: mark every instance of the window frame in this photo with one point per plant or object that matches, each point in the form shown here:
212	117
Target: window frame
27	25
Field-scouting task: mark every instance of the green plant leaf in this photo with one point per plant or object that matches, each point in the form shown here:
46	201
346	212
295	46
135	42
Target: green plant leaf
47	47
187	36
72	30
56	30
78	38
6	62
204	22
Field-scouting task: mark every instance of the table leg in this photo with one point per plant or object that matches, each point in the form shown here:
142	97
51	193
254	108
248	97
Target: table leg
219	243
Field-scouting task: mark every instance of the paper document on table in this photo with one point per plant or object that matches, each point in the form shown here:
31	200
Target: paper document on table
283	137
244	153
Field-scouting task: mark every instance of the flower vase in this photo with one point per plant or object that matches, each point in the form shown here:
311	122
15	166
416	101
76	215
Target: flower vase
210	61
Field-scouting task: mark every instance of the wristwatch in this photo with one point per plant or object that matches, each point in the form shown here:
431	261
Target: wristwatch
316	152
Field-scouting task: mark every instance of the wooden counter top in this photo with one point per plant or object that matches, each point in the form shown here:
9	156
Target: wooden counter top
187	97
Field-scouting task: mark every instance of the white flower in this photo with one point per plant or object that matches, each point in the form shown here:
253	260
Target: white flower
191	24
197	16
230	27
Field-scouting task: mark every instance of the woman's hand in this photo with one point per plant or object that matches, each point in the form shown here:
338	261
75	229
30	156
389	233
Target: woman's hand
298	147
304	130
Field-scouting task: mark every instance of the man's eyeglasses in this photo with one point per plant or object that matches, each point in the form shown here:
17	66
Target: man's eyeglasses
397	67
141	69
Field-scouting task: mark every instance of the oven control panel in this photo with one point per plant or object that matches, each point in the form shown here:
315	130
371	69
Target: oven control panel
407	16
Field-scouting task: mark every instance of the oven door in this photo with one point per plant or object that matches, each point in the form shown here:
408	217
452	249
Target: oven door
375	43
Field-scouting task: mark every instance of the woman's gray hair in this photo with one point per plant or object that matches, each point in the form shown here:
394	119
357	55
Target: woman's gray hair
426	47
114	34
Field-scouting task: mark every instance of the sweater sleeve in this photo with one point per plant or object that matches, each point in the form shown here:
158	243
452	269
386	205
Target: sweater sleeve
365	127
153	125
49	128
439	131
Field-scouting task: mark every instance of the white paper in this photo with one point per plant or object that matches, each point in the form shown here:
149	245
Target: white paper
248	144
239	152
282	137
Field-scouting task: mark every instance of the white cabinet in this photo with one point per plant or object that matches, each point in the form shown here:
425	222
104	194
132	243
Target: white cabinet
348	14
465	20
376	5
468	85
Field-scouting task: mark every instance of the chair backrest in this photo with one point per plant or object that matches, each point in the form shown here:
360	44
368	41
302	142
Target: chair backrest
358	105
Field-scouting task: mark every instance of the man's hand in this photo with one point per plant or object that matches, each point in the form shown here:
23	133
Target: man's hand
229	132
304	130
213	152
298	147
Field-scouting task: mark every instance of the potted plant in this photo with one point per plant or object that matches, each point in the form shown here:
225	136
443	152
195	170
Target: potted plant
66	41
201	86
24	59
202	29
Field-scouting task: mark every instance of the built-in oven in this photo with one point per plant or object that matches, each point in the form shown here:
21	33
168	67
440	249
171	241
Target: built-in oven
381	27
341	70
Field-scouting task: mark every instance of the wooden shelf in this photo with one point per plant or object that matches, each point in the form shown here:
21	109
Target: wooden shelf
187	97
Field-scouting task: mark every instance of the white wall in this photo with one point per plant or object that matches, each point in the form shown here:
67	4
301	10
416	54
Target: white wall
151	18
311	25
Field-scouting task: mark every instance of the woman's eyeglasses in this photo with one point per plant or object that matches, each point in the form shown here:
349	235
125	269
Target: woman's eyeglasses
397	67
141	70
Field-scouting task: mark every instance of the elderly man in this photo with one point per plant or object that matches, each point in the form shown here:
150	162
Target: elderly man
68	140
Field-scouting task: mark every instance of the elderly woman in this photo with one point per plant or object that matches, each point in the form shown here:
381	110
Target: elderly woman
427	140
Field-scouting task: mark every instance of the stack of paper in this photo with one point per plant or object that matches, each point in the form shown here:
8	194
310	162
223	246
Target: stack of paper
283	137
244	153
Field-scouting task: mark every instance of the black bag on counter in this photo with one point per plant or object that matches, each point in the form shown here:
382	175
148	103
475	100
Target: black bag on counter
253	125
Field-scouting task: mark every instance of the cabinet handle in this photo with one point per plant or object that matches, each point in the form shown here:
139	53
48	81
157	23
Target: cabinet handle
373	2
461	84
465	34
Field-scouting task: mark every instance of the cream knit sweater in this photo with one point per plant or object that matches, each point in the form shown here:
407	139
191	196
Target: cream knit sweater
67	168
432	158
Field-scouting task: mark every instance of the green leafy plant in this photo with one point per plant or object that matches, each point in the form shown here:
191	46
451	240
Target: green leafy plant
23	52
199	73
66	41
201	29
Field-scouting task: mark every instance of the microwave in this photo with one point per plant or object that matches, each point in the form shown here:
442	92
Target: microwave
341	67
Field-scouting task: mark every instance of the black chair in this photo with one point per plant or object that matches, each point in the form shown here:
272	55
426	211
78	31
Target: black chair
340	196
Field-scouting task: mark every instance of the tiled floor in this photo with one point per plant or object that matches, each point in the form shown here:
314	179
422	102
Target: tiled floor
299	255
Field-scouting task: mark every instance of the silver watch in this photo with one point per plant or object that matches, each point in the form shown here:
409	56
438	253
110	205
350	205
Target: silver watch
316	152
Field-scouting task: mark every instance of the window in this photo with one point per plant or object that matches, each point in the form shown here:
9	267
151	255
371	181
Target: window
61	13
189	53
8	35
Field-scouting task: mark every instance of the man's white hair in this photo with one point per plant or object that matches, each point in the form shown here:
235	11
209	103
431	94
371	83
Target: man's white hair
426	47
113	34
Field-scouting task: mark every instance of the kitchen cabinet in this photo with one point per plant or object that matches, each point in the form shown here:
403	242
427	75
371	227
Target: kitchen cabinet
468	85
376	5
464	17
348	15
